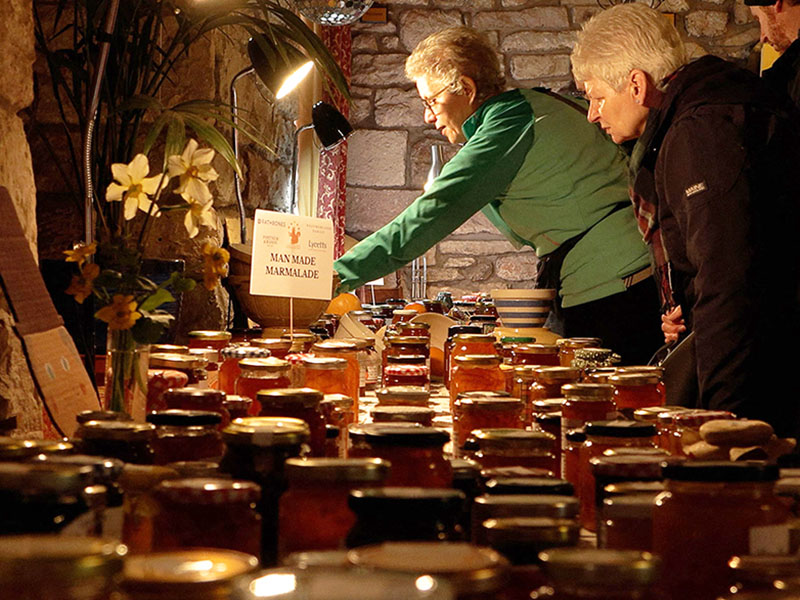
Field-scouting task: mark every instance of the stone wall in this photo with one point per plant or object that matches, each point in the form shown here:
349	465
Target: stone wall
390	150
17	392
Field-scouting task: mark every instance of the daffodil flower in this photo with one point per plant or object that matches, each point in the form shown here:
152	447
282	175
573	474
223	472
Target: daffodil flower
80	253
215	264
81	285
197	215
195	171
132	185
121	313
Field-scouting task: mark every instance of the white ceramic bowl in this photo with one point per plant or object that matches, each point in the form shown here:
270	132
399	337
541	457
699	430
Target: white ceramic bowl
521	308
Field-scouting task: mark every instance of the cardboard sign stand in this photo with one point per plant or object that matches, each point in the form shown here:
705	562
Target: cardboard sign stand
53	359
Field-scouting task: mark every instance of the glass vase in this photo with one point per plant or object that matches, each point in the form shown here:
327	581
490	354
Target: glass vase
126	374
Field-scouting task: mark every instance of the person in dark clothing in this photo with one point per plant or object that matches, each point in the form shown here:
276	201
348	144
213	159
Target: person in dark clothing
714	198
779	22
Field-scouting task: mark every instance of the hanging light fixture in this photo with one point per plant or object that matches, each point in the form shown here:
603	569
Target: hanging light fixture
333	12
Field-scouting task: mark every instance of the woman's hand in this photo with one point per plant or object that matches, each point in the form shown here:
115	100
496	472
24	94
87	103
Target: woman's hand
672	324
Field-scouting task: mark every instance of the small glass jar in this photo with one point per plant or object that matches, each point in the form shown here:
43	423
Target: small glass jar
238	407
465	343
406	373
401	315
625	522
256	449
567	346
337	409
16	449
278	347
497	506
213	340
129	442
301	341
414	329
449	345
403	396
507	345
261	374
349	352
229	368
633	391
186	435
326	374
621	464
193	399
547	383
522	379
661	417
572	442
362	354
584	402
473	413
404	345
475	372
36	567
194	367
190	469
543	485
138	506
297	403
685	426
405	513
520	539
403	414
416	453
535	354
602	436
212	362
365	318
314	513
591	574
207	513
514	447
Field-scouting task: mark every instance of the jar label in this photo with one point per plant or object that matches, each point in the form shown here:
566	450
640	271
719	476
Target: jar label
770	539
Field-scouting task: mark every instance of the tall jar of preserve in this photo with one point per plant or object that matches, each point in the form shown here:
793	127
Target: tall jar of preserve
326	374
36	567
520	539
237	406
261	374
193	399
386	514
313	512
633	391
523	378
584	402
194	367
256	449
600	437
229	368
470	343
186	435
349	352
567	346
449	345
589	574
138	507
499	506
416	453
626	464
709	512
405	345
515	447
297	403
475	372
485	413
337	409
535	354
278	347
213	340
547	382
402	315
128	441
207	513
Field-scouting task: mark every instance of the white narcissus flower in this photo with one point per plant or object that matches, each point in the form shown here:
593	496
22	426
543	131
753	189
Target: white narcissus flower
132	186
199	214
195	171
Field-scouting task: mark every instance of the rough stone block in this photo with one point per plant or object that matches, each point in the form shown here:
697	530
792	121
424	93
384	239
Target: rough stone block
476	247
748	38
377	158
360	111
379	70
536	18
742	14
416	25
369	210
421	157
458	263
363	42
480	271
476	224
398	108
581	14
443	274
390	43
706	23
360	26
18	396
516	267
16	54
538	41
16	173
542	65
472	5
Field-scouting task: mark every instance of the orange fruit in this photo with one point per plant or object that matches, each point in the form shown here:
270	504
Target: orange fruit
343	303
437	363
417	306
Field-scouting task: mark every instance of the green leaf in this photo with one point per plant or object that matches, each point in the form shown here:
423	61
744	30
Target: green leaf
215	139
182	284
148	330
156	299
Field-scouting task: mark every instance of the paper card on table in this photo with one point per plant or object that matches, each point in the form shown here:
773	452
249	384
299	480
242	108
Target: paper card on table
292	256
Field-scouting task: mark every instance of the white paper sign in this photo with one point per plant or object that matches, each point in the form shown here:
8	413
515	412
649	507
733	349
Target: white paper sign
292	256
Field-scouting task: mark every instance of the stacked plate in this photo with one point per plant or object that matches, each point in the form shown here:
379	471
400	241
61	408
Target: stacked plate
523	309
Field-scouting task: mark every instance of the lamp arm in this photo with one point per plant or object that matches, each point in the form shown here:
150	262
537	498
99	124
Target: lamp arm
293	198
237	184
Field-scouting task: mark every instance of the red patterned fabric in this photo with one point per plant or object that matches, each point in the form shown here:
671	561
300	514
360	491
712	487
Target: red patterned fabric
333	165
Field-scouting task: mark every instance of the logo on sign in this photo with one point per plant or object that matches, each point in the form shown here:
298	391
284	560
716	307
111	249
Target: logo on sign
294	234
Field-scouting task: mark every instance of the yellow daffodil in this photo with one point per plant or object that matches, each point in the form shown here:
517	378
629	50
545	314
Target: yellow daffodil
121	313
215	265
199	214
195	171
80	253
132	186
81	285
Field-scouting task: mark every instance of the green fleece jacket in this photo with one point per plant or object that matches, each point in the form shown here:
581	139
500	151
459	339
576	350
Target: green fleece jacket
542	175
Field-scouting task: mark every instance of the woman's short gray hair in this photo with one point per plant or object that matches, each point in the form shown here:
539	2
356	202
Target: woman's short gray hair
448	54
626	37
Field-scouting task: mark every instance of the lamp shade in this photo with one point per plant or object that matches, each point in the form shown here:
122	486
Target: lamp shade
333	12
279	69
330	125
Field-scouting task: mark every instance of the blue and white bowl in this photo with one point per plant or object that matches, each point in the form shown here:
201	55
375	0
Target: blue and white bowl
519	309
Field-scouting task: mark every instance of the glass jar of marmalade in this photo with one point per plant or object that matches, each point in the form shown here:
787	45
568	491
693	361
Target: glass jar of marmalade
207	513
498	506
194	367
535	354
406	345
403	414
535	485
520	539
403	396
186	435
401	315
314	513
633	391
416	453
337	409
297	403
405	513
626	522
301	341
138	506
128	441
709	512
229	368
349	352
158	382
485	413
522	380
404	374
470	343
475	372
256	449
213	340
238	407
212	363
449	344
193	399
567	346
547	382
261	374
507	345
413	329
514	447
278	347
584	402
326	374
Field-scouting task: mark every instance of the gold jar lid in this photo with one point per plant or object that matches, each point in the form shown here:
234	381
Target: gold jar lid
490	403
210	336
478	360
415	394
402	414
126	431
272	343
141	478
526	505
180	362
651	369
530	530
412	325
341	401
600	374
264	365
337	469
407	340
42	561
578	342
334	347
405	312
513	438
361	343
474	338
536	349
526	371
588	391
305	397
41	477
324	363
168	349
548	405
555	374
634	379
590	567
19	449
267	431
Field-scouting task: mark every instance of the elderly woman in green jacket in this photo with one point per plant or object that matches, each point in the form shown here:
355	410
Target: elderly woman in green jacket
543	176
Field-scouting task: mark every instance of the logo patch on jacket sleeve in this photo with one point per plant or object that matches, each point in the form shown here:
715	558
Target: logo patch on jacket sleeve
695	189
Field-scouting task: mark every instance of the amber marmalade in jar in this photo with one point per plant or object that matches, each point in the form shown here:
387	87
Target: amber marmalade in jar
297	403
567	347
186	435
475	372
490	412
514	447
